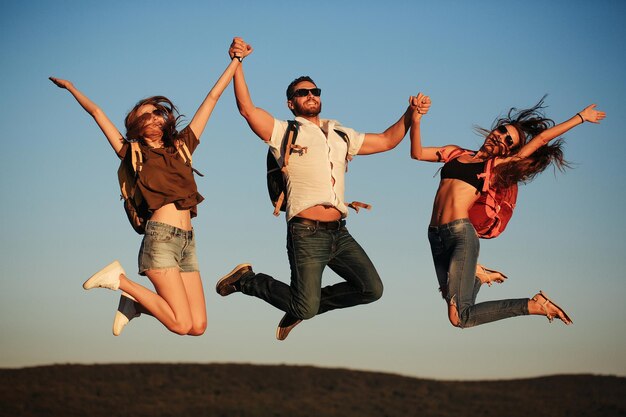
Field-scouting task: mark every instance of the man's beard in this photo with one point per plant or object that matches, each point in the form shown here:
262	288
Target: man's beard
308	111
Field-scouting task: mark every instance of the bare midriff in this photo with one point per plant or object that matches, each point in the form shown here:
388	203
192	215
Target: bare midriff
169	214
321	213
453	201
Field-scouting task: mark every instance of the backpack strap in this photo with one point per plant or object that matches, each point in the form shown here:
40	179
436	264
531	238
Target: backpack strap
136	161
453	154
355	205
136	157
486	175
289	145
279	203
184	153
344	136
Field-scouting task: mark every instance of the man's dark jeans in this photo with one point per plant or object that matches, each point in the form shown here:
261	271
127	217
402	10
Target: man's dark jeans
310	249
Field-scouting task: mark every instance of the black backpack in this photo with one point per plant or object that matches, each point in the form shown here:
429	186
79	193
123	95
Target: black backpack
276	186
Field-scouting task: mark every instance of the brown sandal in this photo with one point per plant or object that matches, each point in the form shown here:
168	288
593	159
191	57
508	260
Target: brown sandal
489	276
544	306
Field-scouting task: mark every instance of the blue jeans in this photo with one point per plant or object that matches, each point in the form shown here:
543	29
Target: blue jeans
310	250
455	247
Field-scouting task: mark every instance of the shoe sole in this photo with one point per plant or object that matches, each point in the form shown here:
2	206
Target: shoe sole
224	279
92	281
287	329
120	321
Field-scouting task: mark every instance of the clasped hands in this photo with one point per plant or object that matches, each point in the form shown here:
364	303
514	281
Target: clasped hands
239	49
420	104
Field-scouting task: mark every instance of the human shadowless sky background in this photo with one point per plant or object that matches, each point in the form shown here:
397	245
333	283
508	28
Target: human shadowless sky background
62	219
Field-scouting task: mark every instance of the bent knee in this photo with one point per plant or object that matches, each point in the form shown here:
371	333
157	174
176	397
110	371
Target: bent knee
181	327
305	314
372	291
376	292
305	311
198	329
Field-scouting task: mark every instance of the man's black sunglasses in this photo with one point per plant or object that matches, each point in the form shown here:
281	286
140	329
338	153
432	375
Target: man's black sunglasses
303	92
507	139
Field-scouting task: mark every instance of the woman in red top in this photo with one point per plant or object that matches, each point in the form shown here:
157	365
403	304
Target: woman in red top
522	145
167	255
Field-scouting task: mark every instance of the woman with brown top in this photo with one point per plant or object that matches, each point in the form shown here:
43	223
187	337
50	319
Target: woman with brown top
168	254
521	145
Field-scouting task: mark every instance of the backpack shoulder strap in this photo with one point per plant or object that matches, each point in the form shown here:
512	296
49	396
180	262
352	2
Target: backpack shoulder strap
355	205
289	143
486	175
136	157
128	171
184	153
286	148
343	135
446	156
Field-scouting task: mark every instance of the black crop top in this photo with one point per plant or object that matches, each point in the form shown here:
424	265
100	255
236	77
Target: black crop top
467	172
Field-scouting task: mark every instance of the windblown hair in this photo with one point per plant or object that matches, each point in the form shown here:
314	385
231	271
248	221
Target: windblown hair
165	108
292	86
529	123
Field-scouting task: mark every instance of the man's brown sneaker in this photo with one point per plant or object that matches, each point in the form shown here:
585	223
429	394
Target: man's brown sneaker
228	284
287	323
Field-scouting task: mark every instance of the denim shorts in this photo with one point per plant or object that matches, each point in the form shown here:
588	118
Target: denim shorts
165	247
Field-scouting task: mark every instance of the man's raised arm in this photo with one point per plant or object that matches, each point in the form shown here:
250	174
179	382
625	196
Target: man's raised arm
260	121
390	138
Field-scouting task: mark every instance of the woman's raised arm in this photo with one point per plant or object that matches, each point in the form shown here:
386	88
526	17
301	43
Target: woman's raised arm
588	114
428	154
237	52
113	135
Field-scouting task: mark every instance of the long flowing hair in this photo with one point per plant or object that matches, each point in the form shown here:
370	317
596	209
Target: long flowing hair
165	108
528	123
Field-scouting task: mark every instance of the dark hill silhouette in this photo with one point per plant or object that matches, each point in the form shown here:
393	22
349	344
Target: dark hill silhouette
229	390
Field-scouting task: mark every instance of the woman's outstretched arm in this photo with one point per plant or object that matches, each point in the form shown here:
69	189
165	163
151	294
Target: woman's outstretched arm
113	135
198	122
588	114
429	154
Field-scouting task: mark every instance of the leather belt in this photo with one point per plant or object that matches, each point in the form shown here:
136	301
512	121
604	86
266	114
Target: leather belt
334	225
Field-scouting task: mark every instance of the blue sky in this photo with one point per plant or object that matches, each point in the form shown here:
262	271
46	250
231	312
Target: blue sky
62	219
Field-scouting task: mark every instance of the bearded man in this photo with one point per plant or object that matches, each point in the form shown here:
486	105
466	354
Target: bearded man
316	227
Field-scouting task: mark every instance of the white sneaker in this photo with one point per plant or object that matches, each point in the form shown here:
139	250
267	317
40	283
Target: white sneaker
108	277
126	311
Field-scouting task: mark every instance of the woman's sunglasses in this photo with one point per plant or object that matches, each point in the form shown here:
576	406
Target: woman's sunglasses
303	92
507	139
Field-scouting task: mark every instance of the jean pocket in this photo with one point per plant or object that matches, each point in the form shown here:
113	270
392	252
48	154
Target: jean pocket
302	230
161	236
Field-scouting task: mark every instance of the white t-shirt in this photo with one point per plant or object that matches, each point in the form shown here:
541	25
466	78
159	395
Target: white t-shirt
315	176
